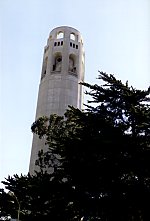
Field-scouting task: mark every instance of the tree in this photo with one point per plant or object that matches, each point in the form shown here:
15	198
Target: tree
39	196
100	158
6	205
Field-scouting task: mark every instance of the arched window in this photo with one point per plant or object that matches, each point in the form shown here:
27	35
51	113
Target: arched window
44	68
72	63
72	36
57	62
60	35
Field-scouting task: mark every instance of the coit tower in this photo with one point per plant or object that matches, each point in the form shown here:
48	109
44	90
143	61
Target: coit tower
62	71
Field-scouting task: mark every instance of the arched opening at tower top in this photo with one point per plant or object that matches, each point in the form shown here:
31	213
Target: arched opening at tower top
60	35
72	36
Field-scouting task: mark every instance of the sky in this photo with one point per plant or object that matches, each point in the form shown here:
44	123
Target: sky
116	37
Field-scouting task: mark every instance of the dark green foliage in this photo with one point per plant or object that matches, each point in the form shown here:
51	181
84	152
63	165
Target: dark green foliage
100	158
6	205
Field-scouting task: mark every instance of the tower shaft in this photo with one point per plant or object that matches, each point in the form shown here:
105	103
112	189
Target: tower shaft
62	71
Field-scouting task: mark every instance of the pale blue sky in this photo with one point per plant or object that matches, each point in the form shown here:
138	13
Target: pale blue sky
116	37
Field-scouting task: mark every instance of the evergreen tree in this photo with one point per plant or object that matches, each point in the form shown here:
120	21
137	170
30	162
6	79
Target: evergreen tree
100	159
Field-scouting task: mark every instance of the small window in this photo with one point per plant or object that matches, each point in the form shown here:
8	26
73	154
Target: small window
58	43
61	42
73	45
70	44
76	46
55	43
72	36
60	35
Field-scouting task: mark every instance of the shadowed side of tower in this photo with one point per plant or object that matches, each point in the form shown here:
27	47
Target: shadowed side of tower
62	70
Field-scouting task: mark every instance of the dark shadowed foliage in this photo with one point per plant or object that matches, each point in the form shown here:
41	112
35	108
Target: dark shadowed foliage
100	160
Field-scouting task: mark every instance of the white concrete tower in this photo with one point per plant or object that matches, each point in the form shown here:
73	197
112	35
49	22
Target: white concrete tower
62	70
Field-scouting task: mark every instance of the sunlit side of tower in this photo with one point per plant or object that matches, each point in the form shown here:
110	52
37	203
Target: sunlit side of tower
62	70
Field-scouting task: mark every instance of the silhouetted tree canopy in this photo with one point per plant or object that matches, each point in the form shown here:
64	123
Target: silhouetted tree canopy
100	160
